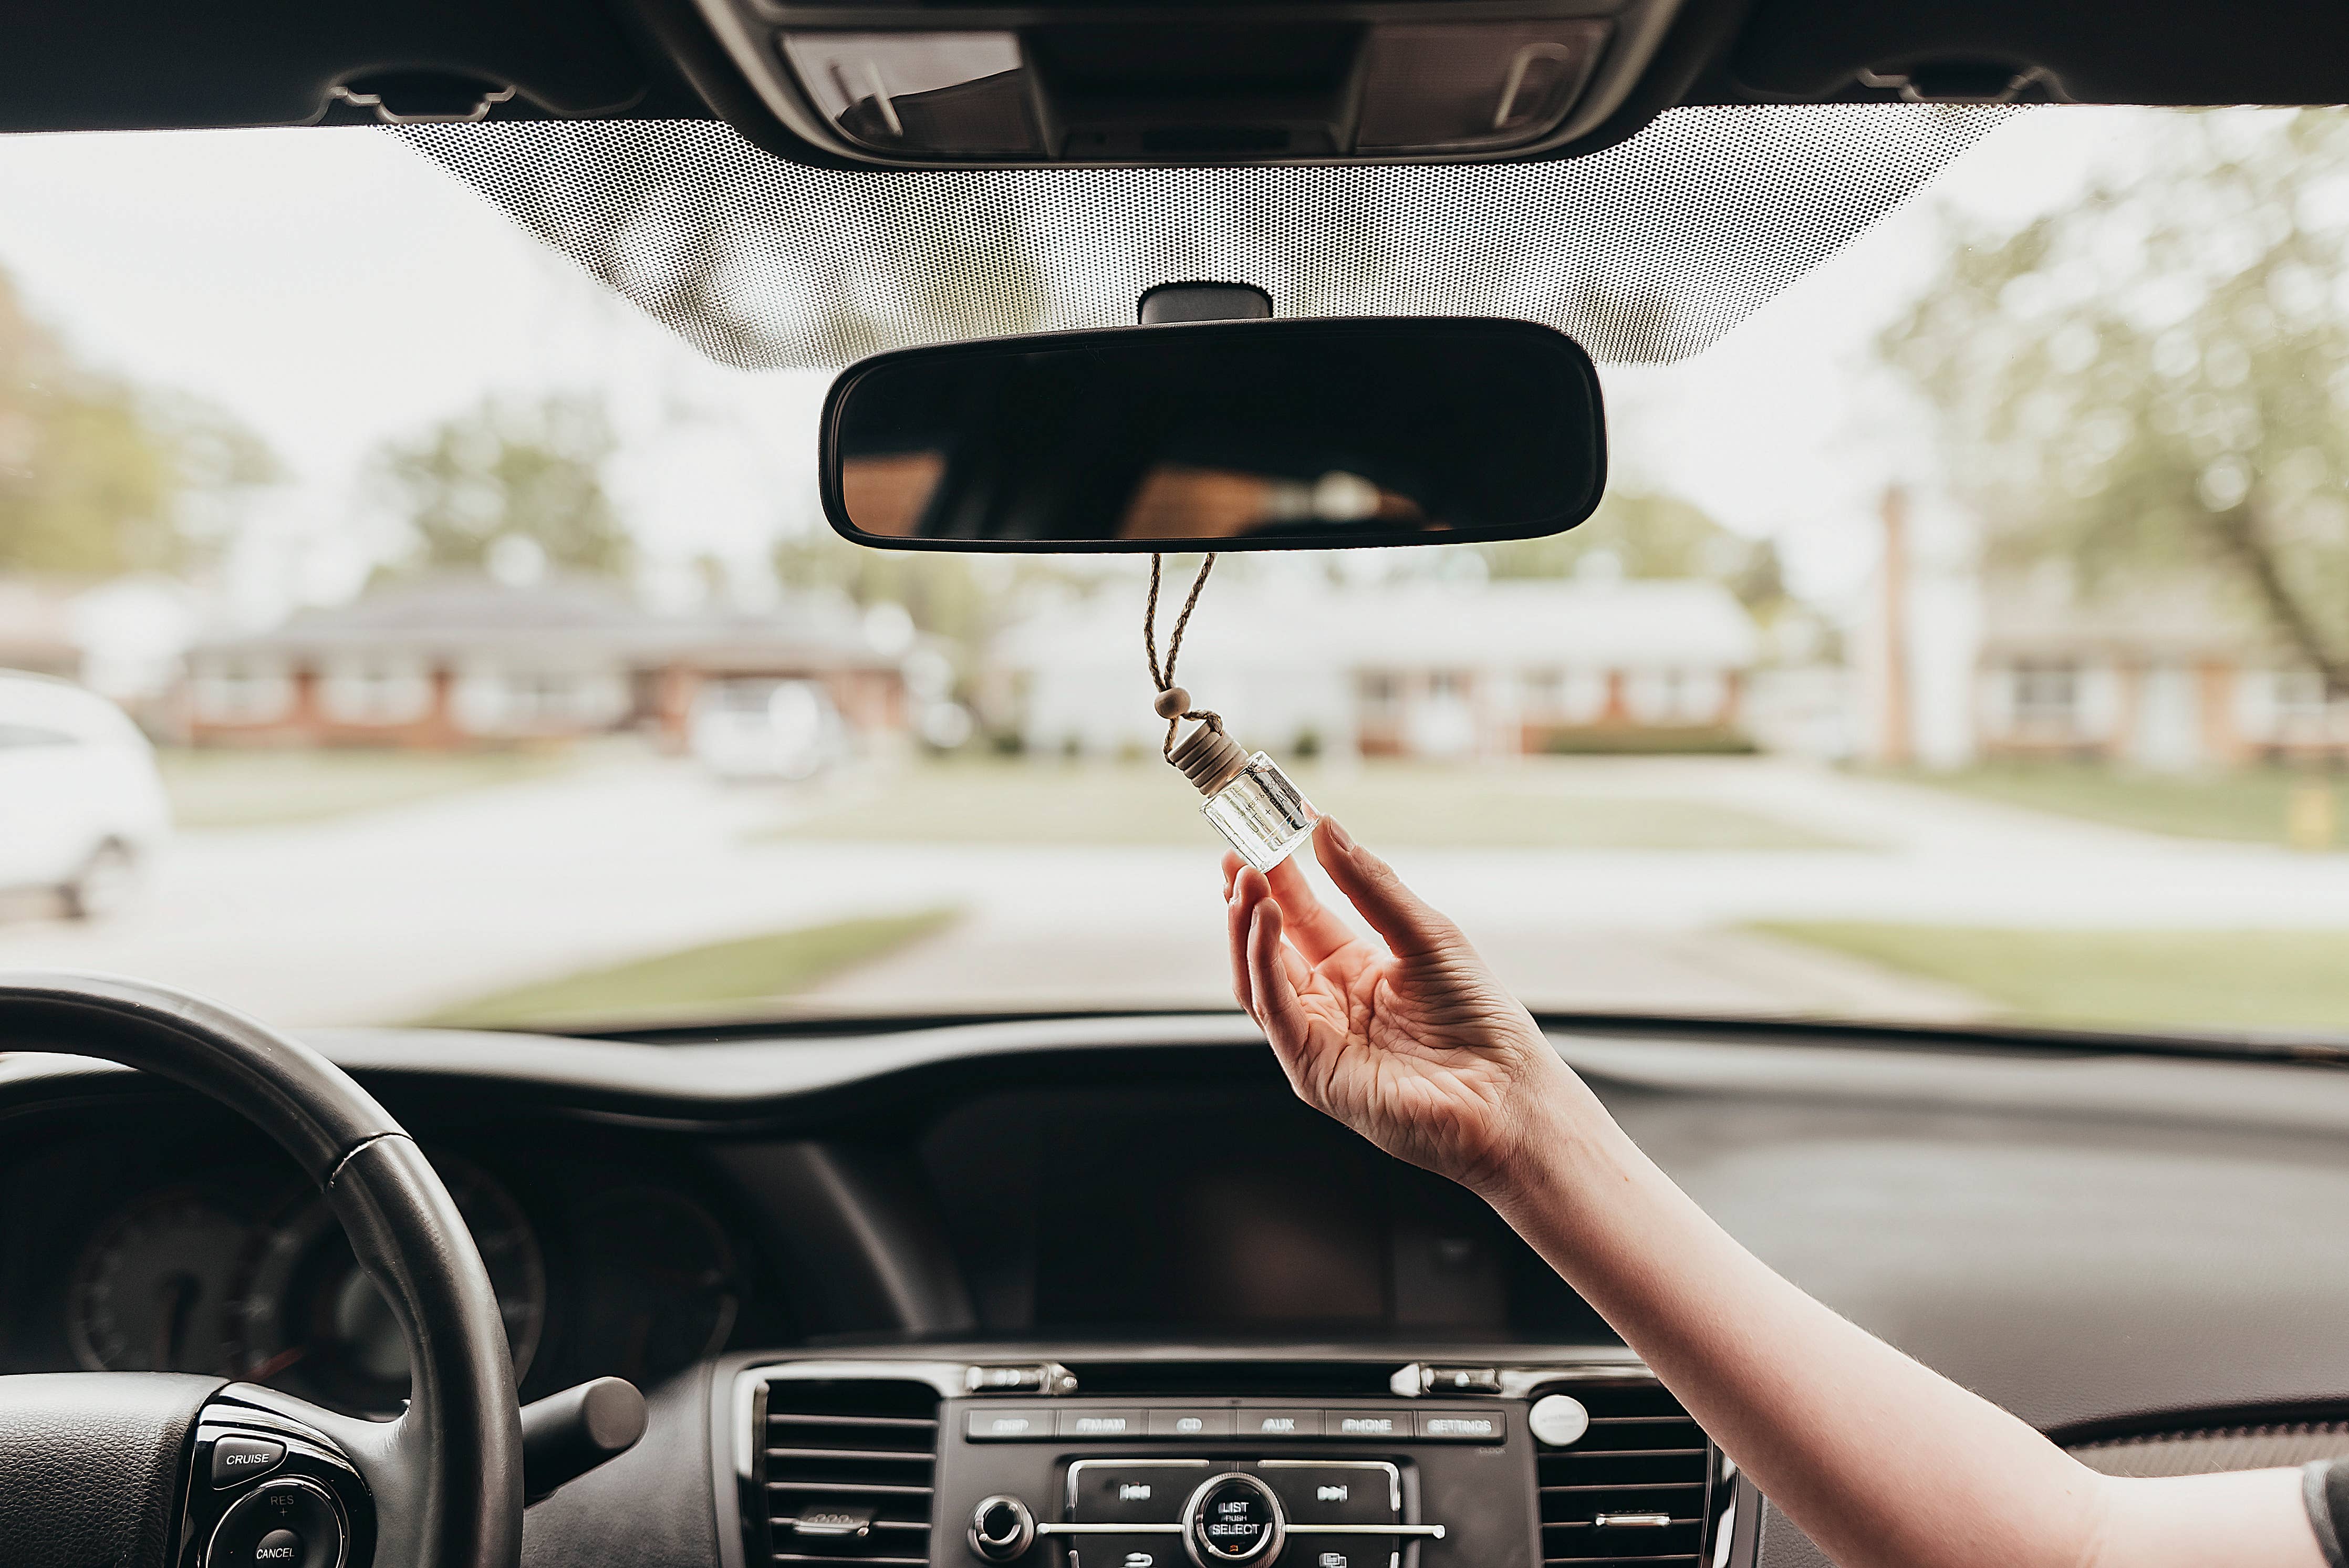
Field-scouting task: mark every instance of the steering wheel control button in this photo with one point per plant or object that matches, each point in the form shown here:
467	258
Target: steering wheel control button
1559	1420
1280	1424
1232	1519
1124	1424
1190	1423
1387	1424
236	1461
1464	1427
1007	1426
282	1547
1001	1528
1339	1494
1130	1491
281	1523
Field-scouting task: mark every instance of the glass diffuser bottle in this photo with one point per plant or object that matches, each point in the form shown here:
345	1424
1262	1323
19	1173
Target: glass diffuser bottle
1250	800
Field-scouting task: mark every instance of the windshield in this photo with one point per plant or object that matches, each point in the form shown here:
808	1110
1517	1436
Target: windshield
1964	637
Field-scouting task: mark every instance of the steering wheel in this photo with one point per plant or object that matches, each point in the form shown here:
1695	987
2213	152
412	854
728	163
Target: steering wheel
98	1468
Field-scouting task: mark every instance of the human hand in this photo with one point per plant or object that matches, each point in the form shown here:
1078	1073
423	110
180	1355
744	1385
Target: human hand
1419	1048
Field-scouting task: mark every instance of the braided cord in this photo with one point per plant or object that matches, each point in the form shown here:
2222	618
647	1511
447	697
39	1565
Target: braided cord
1165	679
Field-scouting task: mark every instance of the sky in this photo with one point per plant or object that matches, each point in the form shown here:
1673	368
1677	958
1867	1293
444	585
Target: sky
334	288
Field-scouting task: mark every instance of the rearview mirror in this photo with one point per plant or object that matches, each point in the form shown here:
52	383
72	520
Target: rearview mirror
1225	435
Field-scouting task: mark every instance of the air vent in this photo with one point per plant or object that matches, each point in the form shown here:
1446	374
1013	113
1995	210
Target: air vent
1633	1489
847	1471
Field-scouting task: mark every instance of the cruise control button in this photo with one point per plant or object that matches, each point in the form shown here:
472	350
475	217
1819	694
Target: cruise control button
1007	1426
1121	1493
1464	1427
236	1461
1367	1423
1280	1423
1101	1423
1190	1423
279	1546
281	1523
1334	1495
1125	1552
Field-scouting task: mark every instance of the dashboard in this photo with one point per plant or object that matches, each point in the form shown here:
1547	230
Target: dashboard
1101	1293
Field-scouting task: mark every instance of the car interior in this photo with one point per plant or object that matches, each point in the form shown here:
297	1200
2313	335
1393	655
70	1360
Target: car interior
1090	1287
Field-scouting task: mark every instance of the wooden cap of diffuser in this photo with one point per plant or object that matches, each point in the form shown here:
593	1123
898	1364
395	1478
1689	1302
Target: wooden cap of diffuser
1209	758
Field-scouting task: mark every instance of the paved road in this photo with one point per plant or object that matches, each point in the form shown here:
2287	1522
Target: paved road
387	916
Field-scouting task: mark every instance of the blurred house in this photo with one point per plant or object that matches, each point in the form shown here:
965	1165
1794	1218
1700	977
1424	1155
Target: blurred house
2173	673
1420	669
460	661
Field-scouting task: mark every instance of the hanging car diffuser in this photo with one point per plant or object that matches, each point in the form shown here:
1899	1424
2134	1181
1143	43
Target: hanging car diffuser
1251	801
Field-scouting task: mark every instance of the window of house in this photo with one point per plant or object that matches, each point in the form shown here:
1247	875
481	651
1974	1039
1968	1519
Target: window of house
2300	697
492	700
1700	695
1382	698
1583	698
375	691
1653	695
2046	695
241	693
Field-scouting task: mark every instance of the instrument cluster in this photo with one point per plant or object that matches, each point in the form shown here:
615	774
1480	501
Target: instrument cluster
237	1268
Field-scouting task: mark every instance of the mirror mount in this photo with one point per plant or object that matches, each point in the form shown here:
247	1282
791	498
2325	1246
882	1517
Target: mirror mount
1171	304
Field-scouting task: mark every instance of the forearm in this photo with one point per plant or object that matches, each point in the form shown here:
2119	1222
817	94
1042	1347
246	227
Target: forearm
1885	1464
1880	1459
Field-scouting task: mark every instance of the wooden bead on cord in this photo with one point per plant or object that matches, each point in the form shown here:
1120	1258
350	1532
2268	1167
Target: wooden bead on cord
1171	703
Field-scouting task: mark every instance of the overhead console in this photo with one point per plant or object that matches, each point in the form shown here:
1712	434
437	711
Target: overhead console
1231	1462
909	86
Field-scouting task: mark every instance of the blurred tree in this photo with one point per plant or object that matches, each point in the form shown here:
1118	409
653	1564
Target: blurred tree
2153	379
98	476
1651	535
509	470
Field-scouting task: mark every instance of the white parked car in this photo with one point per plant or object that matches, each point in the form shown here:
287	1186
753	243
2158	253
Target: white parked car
766	729
82	805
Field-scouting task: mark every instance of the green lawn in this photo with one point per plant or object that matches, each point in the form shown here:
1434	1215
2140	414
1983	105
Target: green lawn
2273	979
252	788
2250	805
1399	805
695	981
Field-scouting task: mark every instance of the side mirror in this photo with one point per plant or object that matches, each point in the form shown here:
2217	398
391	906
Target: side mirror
1223	435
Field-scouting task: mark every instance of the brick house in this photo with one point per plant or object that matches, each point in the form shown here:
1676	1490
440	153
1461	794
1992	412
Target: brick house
2174	674
461	661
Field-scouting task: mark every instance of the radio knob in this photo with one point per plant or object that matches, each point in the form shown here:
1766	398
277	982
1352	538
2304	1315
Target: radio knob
1001	1528
1231	1520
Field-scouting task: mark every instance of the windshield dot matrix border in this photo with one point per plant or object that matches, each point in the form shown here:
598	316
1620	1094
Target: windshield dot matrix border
1645	252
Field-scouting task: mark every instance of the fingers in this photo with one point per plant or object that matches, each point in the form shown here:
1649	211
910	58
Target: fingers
1316	930
1232	864
1277	1011
1410	927
1243	891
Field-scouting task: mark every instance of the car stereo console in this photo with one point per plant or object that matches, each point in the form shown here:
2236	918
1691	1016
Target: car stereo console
1097	1462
